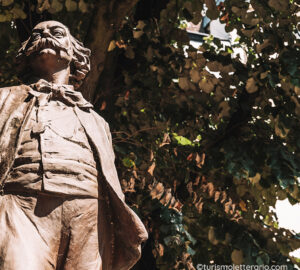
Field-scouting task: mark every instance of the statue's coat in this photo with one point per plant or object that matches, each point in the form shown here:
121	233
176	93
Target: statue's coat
120	230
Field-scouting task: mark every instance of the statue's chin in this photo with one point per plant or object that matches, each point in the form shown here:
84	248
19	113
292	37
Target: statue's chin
47	51
47	60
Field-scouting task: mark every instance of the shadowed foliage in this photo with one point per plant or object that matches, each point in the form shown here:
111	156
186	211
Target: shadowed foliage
202	158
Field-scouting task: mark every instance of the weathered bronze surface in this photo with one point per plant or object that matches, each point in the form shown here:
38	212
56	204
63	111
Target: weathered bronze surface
61	204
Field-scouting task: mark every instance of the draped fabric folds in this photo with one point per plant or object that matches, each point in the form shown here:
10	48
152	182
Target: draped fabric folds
121	232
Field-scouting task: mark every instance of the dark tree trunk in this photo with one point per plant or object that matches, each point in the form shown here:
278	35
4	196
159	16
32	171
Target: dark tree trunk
25	26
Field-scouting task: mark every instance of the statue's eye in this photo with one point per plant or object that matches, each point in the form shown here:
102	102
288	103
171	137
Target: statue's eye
58	33
35	36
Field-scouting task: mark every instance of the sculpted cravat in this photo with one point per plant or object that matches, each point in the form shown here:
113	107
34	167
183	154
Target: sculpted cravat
64	93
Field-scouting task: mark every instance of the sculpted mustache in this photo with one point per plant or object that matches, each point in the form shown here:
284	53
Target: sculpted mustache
44	43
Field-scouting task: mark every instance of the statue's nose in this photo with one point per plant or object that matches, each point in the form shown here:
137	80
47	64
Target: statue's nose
46	33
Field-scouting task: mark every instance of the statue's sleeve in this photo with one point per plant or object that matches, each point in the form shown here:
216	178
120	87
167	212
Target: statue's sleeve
98	131
108	133
4	92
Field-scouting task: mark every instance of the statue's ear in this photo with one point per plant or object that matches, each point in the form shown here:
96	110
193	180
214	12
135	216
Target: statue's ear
80	65
21	51
79	46
22	65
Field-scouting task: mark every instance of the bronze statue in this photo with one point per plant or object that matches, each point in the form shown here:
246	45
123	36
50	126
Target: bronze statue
61	204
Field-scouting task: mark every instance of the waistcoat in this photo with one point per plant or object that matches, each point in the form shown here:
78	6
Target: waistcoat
54	154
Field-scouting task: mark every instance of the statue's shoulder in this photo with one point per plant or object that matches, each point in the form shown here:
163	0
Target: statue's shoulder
14	89
101	121
90	116
13	92
5	90
98	118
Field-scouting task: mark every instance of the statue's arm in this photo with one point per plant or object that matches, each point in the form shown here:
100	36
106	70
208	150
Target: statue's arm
105	127
103	143
4	92
108	133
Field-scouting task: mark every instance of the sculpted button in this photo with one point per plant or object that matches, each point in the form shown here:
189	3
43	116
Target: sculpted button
46	155
81	177
48	174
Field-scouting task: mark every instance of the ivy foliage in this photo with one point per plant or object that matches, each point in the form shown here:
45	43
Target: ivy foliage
205	144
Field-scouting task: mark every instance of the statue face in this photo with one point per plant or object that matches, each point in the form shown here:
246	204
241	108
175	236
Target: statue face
50	49
49	46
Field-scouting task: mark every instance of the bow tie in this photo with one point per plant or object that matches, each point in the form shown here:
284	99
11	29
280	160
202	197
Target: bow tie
62	92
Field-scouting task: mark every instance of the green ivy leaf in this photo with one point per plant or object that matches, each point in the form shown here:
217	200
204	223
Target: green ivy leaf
182	140
127	162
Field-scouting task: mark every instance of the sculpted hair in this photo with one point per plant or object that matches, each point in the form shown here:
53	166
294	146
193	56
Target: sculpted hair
79	66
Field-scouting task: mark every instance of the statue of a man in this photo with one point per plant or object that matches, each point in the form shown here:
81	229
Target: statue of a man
61	204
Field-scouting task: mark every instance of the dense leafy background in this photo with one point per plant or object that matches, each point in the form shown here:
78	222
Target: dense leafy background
201	159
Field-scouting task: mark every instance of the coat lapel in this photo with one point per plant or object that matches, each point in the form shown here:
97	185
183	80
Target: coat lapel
96	129
14	111
123	229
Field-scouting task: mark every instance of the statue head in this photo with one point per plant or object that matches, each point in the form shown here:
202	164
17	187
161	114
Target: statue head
51	48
